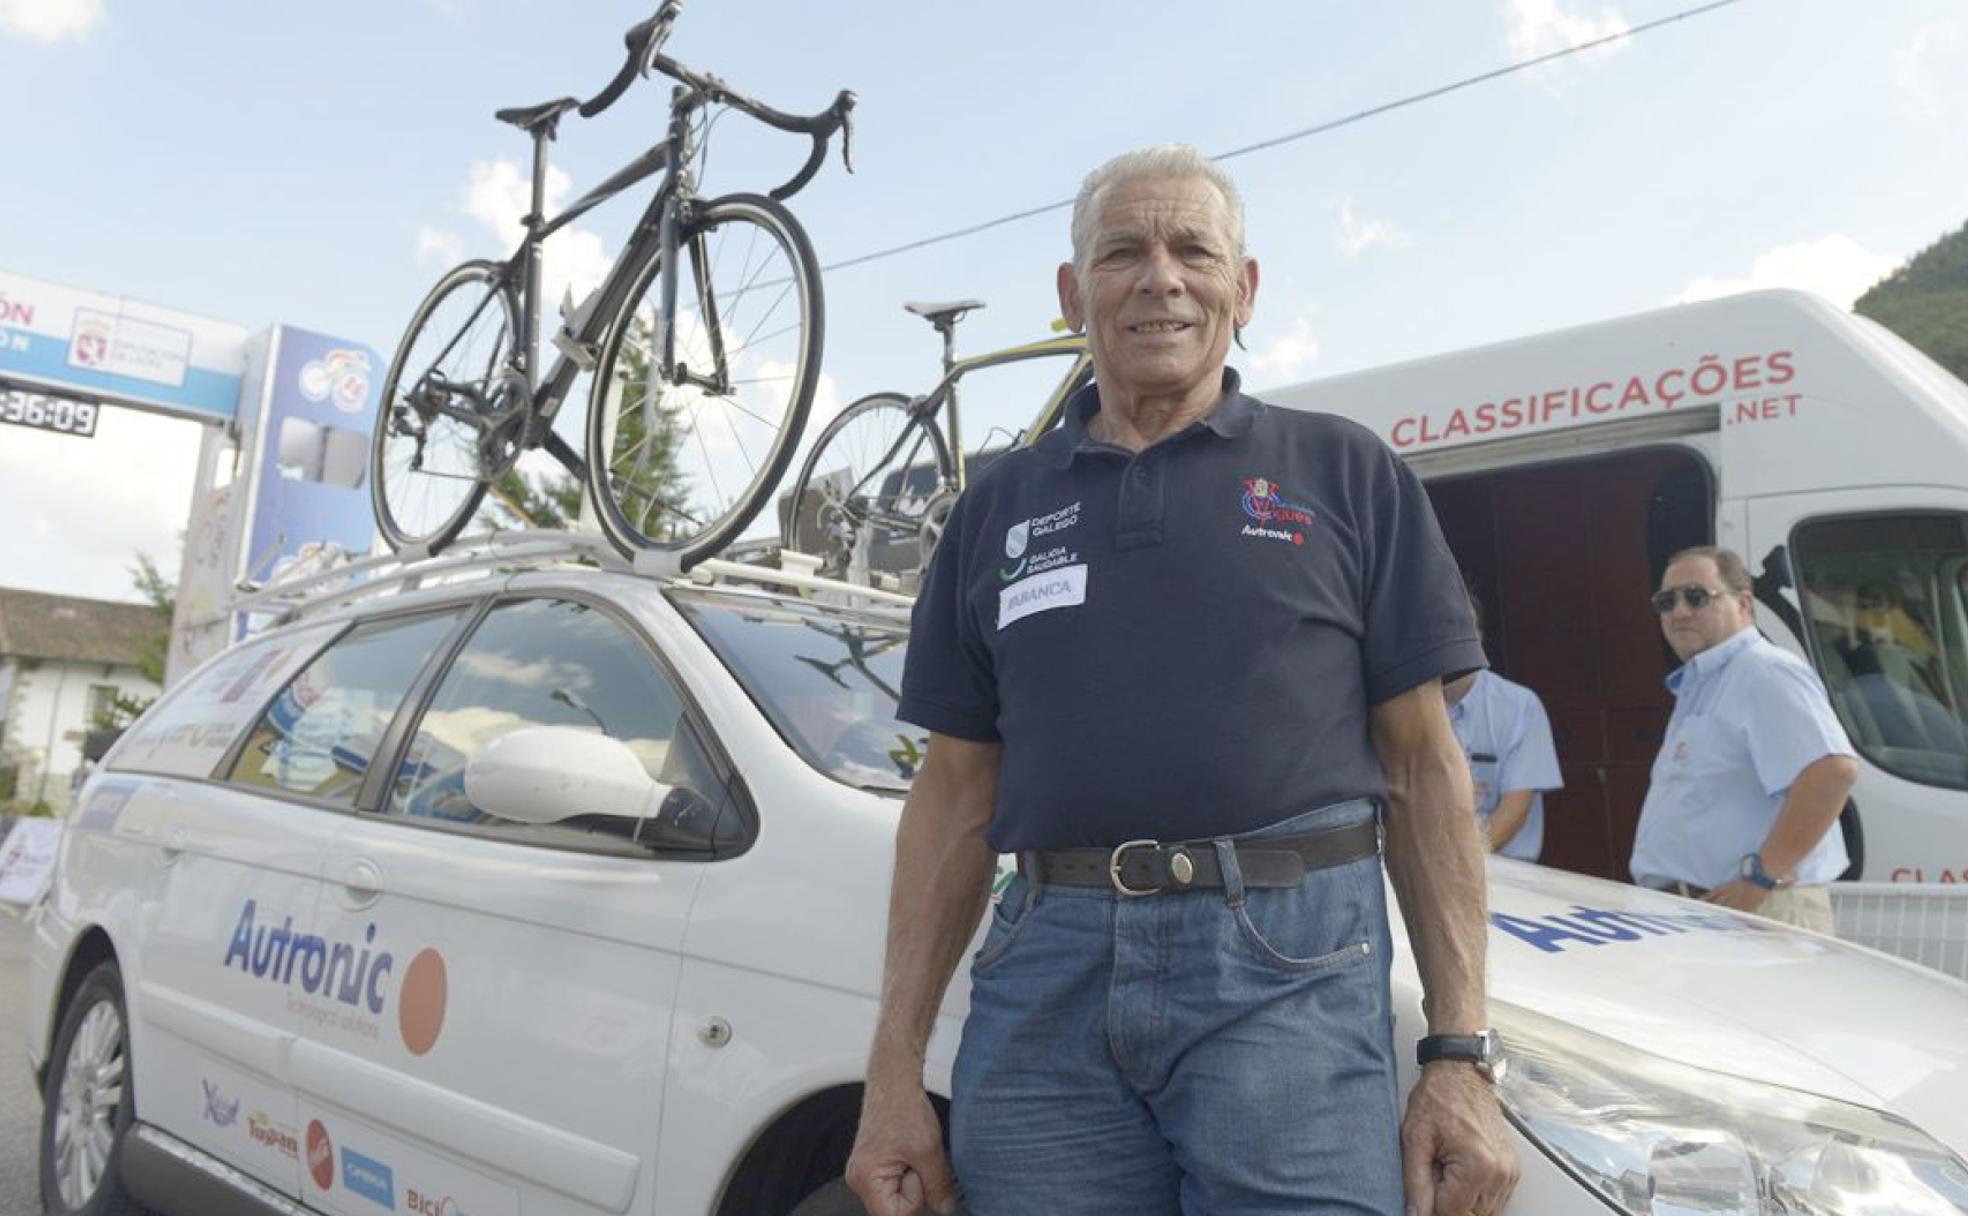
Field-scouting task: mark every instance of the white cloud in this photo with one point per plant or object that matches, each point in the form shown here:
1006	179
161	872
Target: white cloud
52	20
89	506
1915	70
497	193
1539	27
1835	267
439	246
1288	355
1356	236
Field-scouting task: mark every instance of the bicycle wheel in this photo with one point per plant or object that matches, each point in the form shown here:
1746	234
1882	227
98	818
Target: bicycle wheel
426	470
682	463
860	499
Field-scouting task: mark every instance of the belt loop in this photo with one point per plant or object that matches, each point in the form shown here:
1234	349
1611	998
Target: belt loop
1034	868
1233	874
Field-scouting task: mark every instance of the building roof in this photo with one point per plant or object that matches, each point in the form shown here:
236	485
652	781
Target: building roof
34	624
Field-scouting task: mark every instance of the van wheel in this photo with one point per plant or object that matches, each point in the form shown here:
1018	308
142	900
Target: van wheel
89	1103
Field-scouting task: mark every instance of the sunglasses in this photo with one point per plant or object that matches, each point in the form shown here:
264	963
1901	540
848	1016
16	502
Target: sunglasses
1697	598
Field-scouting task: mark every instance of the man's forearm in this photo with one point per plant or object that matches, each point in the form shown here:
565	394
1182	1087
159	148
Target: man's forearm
943	873
1512	812
1435	858
1809	810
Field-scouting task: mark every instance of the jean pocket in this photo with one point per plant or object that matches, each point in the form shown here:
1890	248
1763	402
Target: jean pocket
1008	916
1322	925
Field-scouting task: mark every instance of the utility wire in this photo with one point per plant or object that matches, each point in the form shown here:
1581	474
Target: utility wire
1319	129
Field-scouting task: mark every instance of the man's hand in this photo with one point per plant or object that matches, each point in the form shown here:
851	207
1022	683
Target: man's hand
1738	893
898	1167
1456	1157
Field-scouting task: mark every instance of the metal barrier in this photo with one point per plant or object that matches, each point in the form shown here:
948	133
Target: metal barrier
1926	923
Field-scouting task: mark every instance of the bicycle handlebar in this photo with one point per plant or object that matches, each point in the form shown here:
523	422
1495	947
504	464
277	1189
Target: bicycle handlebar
645	41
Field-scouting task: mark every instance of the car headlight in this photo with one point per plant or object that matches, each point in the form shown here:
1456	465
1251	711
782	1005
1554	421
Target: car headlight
1657	1138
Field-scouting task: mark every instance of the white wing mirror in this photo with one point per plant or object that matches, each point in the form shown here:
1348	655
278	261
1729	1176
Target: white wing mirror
545	774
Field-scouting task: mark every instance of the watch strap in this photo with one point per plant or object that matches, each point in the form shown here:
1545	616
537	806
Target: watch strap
1471	1048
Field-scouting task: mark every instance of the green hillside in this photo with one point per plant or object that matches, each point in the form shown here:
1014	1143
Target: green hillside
1926	302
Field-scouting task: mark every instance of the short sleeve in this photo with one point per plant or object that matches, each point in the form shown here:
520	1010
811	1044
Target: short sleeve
1531	762
1416	610
1790	724
949	684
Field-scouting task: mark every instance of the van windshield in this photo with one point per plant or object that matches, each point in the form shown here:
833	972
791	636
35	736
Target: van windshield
826	678
1887	597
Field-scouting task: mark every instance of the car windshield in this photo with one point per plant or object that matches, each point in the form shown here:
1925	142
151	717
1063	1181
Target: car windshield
827	678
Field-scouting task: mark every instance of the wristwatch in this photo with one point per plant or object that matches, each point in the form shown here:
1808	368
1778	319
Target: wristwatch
1483	1049
1751	868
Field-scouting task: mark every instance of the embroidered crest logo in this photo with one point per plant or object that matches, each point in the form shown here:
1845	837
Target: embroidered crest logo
1016	538
1277	517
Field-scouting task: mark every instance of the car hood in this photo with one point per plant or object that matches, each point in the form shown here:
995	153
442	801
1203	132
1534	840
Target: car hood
1732	993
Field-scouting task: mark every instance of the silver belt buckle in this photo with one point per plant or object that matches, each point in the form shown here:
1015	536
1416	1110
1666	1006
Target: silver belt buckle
1114	868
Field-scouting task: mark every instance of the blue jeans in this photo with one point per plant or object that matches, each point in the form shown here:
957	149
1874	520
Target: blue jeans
1219	1051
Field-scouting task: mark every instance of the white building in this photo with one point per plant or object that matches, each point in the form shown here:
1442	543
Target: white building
63	661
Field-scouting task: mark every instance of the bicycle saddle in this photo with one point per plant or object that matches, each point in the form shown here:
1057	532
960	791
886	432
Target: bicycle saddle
527	118
943	312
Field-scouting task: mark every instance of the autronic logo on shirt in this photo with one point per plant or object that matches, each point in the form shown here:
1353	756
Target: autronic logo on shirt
1277	518
342	984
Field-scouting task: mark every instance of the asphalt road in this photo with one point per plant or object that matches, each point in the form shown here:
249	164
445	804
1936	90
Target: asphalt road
20	1106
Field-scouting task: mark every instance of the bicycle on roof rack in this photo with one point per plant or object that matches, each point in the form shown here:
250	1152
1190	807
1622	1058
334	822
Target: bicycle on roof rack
704	337
873	494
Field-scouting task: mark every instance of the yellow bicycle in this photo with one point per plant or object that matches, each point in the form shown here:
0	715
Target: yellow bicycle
871	499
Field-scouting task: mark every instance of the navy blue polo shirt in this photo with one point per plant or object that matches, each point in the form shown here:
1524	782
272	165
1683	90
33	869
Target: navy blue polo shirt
1183	642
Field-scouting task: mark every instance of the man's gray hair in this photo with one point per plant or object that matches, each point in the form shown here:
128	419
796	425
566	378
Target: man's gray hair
1156	160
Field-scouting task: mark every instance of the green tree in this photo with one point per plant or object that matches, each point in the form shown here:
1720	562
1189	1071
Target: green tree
1926	302
162	596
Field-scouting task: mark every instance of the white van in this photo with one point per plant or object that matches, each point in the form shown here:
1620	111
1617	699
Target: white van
1831	454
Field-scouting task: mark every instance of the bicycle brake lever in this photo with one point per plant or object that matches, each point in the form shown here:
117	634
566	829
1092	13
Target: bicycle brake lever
847	133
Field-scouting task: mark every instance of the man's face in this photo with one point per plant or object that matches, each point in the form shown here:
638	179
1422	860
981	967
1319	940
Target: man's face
1163	287
1690	630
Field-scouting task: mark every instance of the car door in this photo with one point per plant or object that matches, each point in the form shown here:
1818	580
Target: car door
521	976
241	800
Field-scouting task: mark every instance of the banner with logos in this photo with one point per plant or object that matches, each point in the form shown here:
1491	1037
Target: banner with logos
73	342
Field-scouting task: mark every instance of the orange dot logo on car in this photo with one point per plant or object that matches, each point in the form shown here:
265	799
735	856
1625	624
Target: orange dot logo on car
420	1001
321	1155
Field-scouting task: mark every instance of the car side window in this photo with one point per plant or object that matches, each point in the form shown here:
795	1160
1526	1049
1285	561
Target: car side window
320	734
566	664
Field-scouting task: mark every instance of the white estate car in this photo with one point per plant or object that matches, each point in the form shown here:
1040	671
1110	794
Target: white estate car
563	891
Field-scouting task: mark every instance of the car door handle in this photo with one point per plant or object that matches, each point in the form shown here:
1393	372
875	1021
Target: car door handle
361	882
172	846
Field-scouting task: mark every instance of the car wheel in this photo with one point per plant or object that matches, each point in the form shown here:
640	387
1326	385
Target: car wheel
88	1105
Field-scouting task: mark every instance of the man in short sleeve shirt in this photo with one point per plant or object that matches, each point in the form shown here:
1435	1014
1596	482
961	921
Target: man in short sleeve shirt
1172	656
1507	736
1753	773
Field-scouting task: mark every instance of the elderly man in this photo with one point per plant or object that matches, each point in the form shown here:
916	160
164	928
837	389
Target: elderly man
1173	657
1755	768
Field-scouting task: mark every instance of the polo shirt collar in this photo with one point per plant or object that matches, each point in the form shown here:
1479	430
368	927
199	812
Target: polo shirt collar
1712	660
1233	415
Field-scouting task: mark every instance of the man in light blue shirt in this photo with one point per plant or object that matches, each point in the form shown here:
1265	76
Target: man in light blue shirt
1504	731
1755	768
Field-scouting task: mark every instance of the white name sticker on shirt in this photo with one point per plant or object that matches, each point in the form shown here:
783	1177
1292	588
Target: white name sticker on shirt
1062	587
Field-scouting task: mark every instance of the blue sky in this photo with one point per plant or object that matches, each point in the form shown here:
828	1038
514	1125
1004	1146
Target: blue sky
320	164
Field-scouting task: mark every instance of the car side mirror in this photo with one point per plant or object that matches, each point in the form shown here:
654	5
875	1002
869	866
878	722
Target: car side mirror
547	774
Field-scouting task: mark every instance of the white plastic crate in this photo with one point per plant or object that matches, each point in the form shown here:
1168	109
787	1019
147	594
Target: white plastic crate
1926	923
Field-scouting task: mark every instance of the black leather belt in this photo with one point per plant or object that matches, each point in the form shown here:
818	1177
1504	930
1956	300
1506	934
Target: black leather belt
1149	867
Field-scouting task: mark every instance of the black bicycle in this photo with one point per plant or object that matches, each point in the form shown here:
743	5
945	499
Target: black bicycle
704	339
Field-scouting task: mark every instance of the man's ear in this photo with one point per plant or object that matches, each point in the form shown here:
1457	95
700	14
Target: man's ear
1069	298
1247	292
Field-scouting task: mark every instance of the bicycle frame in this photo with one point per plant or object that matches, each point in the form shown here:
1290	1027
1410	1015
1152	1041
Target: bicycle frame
946	390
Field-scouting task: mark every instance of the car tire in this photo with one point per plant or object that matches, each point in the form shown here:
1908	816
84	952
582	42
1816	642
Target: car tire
89	1104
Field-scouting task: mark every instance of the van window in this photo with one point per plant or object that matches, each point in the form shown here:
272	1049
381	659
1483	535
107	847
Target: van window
1887	601
190	731
551	662
320	734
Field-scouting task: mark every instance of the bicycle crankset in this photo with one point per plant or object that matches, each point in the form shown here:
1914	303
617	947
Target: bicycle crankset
504	416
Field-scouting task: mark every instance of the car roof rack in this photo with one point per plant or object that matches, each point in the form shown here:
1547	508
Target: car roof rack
488	554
